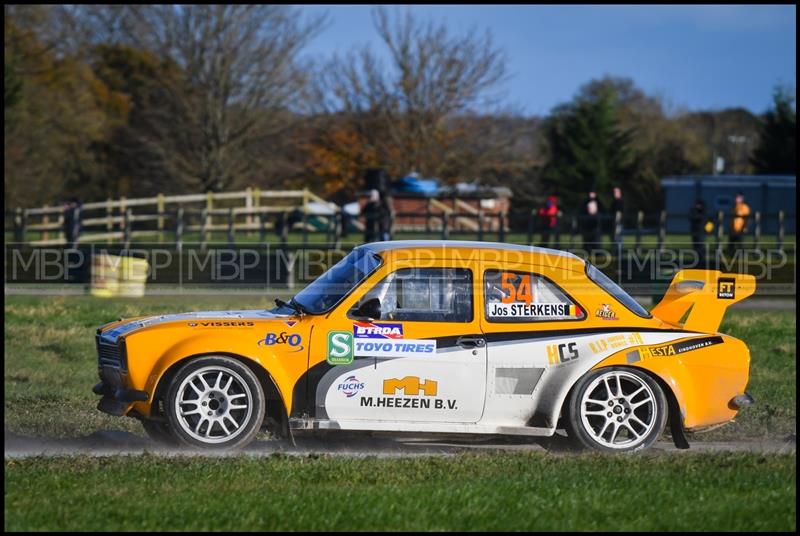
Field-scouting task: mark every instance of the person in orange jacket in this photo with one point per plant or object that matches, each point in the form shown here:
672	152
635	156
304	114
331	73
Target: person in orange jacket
740	213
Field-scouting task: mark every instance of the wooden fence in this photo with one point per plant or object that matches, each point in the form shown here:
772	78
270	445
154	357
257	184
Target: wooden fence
255	213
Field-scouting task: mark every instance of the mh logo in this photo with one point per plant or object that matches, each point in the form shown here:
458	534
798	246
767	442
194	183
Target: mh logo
410	385
726	289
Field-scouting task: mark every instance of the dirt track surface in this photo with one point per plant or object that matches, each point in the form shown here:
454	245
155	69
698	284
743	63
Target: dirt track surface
112	443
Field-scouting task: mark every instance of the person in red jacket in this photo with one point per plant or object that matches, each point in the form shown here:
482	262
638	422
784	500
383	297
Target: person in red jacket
548	215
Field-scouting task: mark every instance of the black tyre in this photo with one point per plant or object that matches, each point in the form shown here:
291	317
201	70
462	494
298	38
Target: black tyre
616	409
159	432
215	402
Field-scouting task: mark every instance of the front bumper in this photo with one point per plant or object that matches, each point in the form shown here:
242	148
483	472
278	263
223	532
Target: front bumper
117	398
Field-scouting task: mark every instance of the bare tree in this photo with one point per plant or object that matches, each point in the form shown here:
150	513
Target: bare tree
432	76
240	83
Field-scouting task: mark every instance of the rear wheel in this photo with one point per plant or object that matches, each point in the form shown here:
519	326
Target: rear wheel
616	409
215	403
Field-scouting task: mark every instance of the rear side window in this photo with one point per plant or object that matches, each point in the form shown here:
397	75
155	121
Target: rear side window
425	294
513	296
604	282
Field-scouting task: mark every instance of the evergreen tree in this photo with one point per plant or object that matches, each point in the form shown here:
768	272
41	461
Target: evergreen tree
588	149
776	151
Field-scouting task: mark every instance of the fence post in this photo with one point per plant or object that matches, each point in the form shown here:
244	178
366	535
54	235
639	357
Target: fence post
19	226
284	228
557	229
160	206
231	228
531	219
757	230
572	231
501	235
662	230
428	217
179	230
305	222
204	229
77	225
126	232
480	225
209	206
720	222
639	230
262	231
248	203
781	229
109	219
46	233
445	225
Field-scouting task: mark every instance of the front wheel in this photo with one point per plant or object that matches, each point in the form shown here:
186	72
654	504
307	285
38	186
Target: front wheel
215	402
616	409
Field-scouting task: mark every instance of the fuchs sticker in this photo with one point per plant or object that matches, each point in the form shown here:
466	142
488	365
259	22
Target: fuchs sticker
533	310
370	330
350	386
606	313
340	348
726	289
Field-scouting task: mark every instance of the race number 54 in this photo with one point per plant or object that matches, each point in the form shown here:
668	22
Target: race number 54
520	292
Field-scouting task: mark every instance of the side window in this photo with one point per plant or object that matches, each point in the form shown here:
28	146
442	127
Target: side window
513	296
425	294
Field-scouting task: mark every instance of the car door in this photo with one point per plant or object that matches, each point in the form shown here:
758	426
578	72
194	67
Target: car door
529	320
421	358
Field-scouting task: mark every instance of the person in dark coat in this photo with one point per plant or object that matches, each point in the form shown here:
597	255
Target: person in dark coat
697	222
385	221
617	206
590	221
72	221
372	217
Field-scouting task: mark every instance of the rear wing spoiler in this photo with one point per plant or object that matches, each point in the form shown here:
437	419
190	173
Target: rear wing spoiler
704	295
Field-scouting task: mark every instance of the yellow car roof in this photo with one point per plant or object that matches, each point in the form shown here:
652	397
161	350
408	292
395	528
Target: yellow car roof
475	250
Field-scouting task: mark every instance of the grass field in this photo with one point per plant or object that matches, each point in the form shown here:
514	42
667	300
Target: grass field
50	362
741	492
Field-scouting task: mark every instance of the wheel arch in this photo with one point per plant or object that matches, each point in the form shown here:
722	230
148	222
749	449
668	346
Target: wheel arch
674	414
275	412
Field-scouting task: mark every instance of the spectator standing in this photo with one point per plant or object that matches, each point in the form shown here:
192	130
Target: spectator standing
740	213
617	207
590	224
372	217
548	215
385	222
697	227
72	221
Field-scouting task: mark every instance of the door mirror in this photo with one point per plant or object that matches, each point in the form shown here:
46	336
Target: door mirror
370	309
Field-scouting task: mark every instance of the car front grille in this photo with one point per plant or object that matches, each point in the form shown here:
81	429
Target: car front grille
110	355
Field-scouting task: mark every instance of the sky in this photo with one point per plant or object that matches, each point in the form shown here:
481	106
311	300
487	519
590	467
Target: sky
694	57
